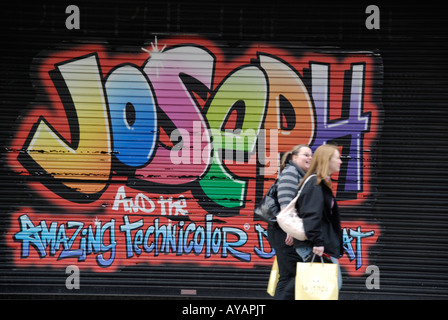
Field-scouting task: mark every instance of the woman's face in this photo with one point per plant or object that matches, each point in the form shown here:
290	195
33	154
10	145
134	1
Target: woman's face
303	158
335	162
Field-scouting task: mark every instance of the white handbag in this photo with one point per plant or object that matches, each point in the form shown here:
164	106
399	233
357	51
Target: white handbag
289	220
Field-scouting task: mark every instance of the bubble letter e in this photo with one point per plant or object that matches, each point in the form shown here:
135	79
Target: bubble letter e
247	87
72	21
72	281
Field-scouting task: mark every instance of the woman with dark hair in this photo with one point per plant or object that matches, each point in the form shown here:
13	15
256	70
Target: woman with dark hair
294	164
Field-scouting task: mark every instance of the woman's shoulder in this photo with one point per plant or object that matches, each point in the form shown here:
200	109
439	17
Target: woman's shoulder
311	179
311	191
289	170
310	183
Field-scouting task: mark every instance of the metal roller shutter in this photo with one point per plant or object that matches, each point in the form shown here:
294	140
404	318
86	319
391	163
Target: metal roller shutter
126	165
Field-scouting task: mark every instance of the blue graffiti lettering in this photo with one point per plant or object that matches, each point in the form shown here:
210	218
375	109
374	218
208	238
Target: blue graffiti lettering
262	233
82	242
348	238
30	234
207	240
133	115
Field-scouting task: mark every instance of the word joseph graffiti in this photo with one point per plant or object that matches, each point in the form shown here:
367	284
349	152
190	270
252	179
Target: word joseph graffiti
160	155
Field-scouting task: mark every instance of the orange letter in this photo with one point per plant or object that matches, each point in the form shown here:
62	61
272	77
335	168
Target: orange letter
290	109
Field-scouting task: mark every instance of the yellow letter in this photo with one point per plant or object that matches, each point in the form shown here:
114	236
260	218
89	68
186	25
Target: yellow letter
88	155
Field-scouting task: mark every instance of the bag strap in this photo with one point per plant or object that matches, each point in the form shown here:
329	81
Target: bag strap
314	256
303	185
293	201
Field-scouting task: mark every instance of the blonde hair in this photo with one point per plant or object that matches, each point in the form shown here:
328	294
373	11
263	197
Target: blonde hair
288	155
320	164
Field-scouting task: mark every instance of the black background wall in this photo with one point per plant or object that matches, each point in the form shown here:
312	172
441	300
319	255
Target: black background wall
411	183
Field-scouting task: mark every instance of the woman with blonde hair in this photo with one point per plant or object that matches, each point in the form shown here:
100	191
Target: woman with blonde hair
294	164
318	208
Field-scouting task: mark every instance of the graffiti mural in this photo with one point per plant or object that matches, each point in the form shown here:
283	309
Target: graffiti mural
159	155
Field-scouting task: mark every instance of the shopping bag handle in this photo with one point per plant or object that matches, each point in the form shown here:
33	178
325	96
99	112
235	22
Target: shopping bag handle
314	256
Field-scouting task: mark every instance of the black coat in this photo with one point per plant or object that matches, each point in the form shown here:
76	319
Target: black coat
321	222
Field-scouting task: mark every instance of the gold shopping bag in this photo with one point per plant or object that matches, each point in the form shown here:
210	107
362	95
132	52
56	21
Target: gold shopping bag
316	281
273	278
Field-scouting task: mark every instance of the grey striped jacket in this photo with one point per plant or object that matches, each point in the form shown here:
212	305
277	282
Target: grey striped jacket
288	183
